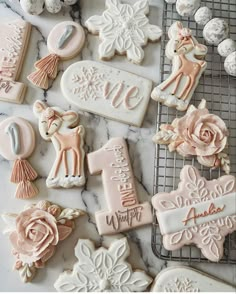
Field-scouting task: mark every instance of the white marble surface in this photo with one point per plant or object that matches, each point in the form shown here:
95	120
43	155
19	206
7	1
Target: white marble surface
98	131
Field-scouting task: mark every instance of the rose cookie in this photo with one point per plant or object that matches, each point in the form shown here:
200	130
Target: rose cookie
17	144
199	212
64	42
107	91
186	279
186	55
14	38
124	29
35	232
197	133
102	270
124	211
63	129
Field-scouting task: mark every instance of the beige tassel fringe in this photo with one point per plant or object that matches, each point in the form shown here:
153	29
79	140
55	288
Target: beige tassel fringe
22	171
26	190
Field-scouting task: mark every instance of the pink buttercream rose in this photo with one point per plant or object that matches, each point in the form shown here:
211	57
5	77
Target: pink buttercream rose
36	236
202	134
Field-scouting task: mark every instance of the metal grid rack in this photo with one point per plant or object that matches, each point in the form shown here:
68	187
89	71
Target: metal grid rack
219	90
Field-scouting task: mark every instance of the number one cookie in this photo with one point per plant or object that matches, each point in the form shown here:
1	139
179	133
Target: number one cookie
124	211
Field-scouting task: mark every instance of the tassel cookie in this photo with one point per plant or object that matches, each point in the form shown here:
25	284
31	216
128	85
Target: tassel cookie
64	42
17	144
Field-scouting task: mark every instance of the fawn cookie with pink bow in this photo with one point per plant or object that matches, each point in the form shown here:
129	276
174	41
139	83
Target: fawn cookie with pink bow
17	144
199	212
102	270
124	29
64	42
14	37
197	133
124	210
63	130
35	232
186	55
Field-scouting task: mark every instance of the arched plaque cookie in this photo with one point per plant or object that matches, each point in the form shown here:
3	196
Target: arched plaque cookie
107	91
64	42
14	37
124	210
17	144
199	212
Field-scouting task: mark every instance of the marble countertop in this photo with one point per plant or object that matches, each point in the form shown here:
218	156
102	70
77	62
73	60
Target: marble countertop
98	131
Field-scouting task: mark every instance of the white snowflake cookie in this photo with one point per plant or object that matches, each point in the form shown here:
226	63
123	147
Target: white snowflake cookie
102	270
123	29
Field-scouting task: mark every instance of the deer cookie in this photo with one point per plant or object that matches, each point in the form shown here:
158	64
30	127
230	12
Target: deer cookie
14	38
62	129
64	42
17	144
186	55
198	212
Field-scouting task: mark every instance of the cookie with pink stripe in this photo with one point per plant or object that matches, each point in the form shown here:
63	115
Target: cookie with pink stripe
199	212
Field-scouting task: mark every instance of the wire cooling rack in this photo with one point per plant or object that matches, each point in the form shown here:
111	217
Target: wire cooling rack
219	90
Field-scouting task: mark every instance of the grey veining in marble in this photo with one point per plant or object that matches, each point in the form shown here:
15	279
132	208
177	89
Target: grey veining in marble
98	131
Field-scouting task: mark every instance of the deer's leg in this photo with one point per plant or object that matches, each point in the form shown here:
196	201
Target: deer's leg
79	160
186	87
65	163
170	80
58	163
192	81
74	162
177	83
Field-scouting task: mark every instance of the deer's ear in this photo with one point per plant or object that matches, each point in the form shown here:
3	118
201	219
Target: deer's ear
201	49
174	29
70	116
39	107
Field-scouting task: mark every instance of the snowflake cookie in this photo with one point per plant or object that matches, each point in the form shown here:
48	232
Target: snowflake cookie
199	212
102	270
35	232
124	29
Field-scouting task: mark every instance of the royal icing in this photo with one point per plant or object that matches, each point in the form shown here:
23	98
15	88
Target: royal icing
197	133
124	211
124	29
35	232
203	212
104	90
17	144
64	42
55	125
186	54
186	279
102	270
14	38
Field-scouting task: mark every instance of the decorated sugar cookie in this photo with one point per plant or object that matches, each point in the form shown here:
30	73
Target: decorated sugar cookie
63	130
107	91
124	210
102	270
64	42
186	55
187	279
123	29
14	37
35	232
197	133
17	144
199	212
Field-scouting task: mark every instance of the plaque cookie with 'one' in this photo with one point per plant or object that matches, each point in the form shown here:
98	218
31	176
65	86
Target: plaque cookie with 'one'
199	212
14	37
107	91
124	210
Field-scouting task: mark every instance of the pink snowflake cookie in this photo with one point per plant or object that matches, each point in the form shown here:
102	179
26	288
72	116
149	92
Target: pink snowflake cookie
199	212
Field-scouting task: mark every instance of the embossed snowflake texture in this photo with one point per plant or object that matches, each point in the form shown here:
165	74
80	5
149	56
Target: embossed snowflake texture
124	29
102	270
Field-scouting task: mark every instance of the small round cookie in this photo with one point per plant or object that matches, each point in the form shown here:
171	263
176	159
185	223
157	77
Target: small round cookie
53	6
215	31
34	7
226	47
203	16
187	7
230	64
170	1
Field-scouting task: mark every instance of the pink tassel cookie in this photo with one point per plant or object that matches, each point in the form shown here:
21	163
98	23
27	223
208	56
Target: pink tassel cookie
64	42
14	38
17	144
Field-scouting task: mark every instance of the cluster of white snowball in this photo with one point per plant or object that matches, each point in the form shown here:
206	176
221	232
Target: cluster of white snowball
36	7
215	31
